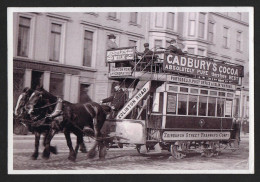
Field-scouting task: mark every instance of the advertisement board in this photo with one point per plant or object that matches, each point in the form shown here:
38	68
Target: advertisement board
121	71
120	54
195	135
202	67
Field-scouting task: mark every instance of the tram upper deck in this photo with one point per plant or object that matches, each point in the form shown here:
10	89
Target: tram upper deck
126	63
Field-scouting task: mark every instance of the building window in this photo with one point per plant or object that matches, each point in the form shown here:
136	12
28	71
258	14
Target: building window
84	95
191	50
225	37
170	21
23	36
132	43
192	23
133	17
112	15
201	52
238	42
56	84
88	44
211	32
157	43
55	42
201	24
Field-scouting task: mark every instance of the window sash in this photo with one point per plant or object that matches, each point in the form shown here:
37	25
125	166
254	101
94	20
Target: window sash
23	41
55	42
170	20
88	44
133	17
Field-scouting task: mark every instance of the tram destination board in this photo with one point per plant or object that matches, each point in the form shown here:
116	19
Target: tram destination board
202	67
120	54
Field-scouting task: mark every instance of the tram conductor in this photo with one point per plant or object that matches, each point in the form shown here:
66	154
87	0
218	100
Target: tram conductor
117	100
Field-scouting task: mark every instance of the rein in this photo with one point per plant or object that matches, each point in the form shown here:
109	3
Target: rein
46	106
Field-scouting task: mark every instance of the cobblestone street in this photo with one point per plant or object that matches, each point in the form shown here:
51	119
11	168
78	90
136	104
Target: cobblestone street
126	158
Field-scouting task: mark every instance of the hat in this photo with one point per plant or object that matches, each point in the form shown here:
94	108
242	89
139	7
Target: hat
173	41
111	36
146	45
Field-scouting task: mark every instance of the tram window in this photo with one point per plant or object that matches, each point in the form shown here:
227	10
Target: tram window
171	103
182	104
220	107
194	91
228	108
230	95
205	92
193	100
223	94
184	89
173	88
213	93
211	106
202	106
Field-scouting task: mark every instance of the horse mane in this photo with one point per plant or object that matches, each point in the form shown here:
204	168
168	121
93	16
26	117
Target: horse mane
52	98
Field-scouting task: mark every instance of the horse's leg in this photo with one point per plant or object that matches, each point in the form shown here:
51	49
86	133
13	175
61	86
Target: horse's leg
49	136
36	145
82	146
92	151
53	149
72	155
79	141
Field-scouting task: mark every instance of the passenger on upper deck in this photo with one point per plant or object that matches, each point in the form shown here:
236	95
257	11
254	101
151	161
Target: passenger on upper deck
174	48
111	43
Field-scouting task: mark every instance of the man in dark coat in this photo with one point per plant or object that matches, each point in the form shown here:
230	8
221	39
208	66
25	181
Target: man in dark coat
173	48
117	100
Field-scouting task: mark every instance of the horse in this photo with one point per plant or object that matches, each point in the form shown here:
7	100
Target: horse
32	120
75	119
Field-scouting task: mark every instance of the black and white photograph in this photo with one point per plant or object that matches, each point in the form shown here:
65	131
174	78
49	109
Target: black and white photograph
131	90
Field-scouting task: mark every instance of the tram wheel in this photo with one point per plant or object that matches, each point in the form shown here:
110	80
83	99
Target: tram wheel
175	153
210	151
207	153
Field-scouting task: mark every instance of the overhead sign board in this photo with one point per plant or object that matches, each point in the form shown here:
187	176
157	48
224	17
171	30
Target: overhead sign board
195	135
187	80
134	101
121	71
202	67
121	54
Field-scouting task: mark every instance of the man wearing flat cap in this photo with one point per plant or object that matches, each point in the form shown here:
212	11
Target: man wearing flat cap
174	48
111	43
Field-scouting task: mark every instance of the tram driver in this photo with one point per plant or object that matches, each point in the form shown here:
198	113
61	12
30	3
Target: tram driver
174	48
117	100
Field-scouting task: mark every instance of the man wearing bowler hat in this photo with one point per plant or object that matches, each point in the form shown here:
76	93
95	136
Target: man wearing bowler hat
111	43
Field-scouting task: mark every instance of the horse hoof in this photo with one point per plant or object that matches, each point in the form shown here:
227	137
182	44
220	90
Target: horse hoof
34	156
83	150
54	150
72	158
45	154
91	154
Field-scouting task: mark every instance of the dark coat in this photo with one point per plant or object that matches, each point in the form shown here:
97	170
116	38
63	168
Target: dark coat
117	99
175	50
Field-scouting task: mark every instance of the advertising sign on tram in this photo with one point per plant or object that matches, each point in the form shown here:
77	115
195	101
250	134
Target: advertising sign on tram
121	54
202	67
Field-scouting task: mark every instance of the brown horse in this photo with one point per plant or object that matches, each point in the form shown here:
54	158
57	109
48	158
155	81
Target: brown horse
21	116
74	118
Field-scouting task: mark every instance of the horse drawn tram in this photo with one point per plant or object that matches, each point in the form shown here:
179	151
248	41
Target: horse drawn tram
181	103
